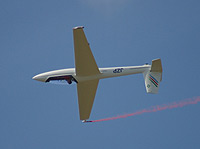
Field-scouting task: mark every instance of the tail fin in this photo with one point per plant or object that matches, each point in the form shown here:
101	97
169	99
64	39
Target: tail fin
153	77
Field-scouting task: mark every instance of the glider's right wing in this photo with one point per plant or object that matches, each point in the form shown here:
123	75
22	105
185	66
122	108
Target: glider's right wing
84	59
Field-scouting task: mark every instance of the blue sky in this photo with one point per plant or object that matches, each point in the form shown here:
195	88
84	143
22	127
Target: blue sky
36	36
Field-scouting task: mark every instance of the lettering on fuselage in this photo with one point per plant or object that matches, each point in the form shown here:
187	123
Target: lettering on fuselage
119	70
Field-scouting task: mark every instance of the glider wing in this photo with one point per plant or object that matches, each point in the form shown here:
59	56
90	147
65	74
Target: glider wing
86	94
84	59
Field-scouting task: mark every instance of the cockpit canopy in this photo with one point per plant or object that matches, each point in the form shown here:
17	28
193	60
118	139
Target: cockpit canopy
62	79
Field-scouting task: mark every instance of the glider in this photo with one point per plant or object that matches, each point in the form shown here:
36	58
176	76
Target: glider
86	74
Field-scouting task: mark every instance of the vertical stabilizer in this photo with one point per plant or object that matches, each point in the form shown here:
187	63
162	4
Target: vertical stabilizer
153	77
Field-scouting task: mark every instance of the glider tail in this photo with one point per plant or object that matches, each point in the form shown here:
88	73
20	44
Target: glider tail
153	77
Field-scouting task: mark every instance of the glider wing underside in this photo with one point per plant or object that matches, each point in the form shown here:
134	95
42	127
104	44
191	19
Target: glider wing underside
86	94
84	59
85	66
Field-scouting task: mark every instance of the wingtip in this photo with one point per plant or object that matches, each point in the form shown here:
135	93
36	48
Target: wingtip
85	121
78	27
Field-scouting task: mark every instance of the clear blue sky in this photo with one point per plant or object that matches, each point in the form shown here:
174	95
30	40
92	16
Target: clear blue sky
36	36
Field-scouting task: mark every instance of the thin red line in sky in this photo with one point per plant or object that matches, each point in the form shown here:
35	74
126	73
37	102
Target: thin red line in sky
156	108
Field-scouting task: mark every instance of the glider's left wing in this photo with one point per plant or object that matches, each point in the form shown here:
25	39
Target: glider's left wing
86	94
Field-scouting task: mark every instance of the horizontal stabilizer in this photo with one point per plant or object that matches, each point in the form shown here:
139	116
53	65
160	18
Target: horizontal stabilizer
156	65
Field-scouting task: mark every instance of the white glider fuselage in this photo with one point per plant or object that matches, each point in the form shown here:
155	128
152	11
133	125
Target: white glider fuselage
104	73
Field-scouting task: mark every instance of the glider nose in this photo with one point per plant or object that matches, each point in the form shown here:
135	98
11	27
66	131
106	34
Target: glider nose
39	78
